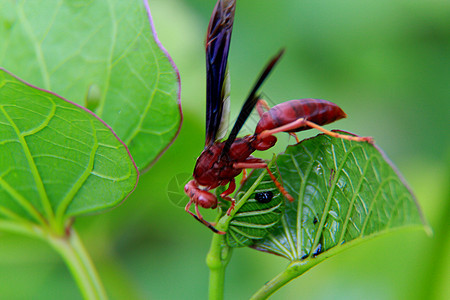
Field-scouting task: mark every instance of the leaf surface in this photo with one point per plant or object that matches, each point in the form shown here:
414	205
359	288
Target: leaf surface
57	159
102	54
254	220
344	192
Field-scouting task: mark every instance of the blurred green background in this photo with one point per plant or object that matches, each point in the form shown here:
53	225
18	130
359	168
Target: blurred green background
386	63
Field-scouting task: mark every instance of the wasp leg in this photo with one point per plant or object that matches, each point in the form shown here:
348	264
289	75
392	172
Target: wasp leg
200	218
251	163
295	136
303	122
279	186
244	176
262	165
227	192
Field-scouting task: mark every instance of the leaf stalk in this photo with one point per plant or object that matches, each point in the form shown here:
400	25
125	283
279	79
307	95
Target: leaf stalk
80	264
293	270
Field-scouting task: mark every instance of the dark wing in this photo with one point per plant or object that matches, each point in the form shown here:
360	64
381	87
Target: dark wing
217	84
250	103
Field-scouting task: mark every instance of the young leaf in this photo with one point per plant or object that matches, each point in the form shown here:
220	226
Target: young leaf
102	54
57	159
344	192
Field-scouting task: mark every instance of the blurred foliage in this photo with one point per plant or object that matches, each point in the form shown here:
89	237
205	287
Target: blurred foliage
386	63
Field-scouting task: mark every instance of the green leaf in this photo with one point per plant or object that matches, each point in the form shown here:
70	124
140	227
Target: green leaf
344	192
102	54
57	159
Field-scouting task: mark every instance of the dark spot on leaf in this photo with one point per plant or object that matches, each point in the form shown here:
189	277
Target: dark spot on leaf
315	220
264	197
332	172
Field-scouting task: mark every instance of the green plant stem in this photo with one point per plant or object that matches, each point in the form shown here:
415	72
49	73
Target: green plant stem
293	270
80	265
217	260
219	253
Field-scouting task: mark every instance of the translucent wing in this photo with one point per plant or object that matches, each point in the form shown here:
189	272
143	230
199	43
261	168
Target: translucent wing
224	120
218	39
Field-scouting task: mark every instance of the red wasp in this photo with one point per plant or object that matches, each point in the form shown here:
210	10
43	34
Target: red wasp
221	161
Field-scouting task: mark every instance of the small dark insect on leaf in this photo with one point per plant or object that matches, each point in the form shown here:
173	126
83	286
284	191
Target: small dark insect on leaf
318	250
264	197
315	221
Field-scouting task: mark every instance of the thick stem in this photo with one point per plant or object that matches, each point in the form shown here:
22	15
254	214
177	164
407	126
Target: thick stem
219	253
217	260
80	265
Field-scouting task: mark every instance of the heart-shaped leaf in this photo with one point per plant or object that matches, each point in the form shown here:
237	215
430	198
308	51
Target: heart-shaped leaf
57	159
344	192
103	54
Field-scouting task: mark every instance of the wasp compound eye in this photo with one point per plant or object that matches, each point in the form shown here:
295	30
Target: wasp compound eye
264	197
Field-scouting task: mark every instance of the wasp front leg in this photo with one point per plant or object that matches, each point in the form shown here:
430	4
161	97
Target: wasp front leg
202	198
227	192
199	217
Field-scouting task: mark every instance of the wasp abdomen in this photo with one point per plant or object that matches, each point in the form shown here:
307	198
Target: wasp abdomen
318	111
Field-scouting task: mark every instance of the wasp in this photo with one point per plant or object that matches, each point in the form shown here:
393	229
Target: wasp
222	160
